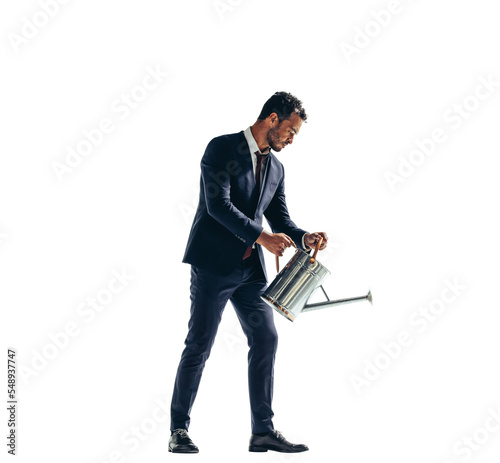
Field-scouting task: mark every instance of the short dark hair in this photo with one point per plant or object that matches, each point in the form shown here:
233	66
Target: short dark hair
283	104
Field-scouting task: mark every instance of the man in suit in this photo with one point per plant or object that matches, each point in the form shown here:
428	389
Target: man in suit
241	181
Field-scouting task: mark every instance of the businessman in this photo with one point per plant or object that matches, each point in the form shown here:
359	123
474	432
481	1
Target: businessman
241	182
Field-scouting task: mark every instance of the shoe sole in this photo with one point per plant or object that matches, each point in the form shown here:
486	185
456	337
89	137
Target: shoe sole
254	448
182	451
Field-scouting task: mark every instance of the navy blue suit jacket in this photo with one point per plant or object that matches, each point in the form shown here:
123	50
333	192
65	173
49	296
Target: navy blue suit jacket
230	210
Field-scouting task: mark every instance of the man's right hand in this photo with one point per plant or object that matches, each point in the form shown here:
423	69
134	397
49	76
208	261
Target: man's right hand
275	243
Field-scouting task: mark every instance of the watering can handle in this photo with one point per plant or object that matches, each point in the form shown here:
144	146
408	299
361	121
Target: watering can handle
318	244
312	260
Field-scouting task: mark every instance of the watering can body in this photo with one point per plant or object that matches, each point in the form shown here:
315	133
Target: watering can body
294	285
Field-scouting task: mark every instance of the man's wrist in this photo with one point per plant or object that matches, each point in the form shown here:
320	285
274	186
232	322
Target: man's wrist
261	238
304	245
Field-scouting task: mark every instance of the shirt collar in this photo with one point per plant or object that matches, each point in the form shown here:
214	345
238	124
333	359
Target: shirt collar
252	144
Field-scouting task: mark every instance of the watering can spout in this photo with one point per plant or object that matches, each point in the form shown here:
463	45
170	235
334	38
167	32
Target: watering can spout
329	303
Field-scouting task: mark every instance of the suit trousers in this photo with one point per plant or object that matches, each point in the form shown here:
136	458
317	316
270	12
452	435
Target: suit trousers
209	295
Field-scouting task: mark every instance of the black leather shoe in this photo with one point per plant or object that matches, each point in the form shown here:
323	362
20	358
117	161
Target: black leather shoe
180	442
274	440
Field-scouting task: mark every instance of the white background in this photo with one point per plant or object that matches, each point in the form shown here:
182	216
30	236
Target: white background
130	202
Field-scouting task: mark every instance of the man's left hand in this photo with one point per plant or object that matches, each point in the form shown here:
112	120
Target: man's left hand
311	239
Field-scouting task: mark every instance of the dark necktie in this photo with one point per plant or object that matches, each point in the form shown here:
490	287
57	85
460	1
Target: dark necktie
260	159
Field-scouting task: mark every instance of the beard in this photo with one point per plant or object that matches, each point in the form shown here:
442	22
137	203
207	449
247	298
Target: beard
273	139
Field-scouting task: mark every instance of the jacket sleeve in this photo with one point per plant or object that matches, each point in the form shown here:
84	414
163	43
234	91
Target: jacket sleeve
216	169
279	219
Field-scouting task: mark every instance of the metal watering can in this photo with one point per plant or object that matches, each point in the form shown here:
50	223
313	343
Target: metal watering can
293	286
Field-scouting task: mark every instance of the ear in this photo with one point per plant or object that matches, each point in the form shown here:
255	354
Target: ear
273	119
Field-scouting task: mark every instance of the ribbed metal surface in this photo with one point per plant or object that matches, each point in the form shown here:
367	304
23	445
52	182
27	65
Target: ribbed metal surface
292	287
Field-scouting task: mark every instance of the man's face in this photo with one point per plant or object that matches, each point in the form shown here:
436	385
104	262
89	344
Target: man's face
281	135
